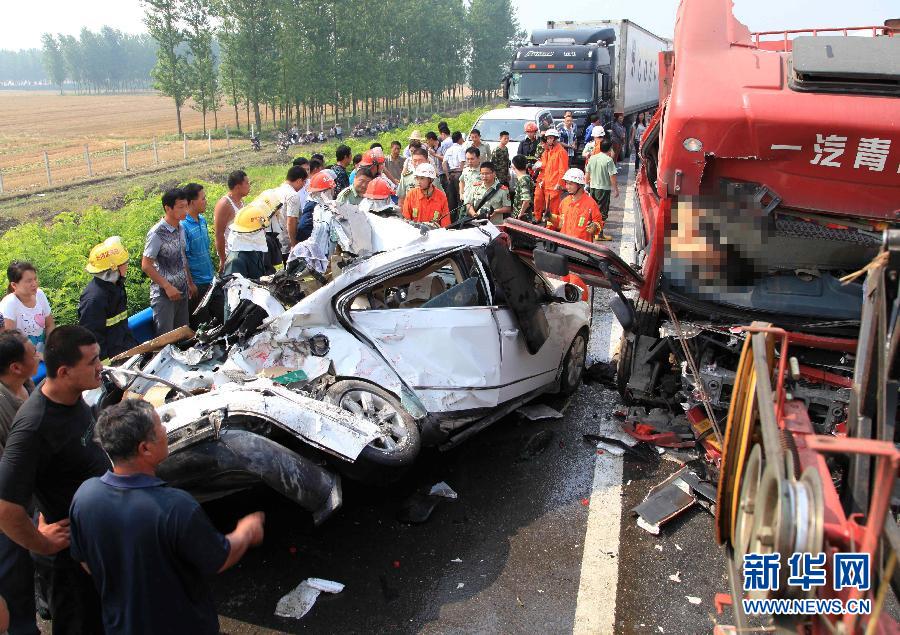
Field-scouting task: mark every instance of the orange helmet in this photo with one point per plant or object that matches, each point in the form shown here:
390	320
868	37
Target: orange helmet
379	189
531	127
320	182
371	157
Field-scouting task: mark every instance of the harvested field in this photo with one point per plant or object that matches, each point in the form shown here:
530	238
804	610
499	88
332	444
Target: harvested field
33	122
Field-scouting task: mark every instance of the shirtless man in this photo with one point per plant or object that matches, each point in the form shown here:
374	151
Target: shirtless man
226	208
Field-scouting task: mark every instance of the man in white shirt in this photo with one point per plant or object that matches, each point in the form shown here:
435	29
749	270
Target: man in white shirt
289	194
454	159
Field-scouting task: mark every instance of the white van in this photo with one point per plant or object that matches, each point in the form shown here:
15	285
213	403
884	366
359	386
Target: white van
513	121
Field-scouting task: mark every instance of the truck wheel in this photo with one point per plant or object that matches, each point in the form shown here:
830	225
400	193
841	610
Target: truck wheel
646	323
573	364
399	443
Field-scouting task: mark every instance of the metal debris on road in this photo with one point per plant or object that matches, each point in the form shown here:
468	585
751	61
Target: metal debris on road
538	411
443	490
298	602
664	502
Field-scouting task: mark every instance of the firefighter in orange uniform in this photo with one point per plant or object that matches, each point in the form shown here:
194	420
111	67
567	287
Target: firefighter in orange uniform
579	215
425	203
554	162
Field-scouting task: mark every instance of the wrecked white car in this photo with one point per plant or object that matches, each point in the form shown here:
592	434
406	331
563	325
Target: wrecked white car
420	344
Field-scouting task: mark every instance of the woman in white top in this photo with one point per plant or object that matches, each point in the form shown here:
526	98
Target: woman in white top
26	307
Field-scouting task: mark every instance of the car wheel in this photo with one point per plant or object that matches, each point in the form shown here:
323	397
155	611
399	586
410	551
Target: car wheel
400	441
573	364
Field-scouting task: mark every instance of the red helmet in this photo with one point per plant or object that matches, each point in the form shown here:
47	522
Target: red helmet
321	181
371	157
379	189
531	127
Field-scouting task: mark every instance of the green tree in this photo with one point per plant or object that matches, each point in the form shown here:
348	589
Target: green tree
171	73
493	28
202	62
252	42
54	62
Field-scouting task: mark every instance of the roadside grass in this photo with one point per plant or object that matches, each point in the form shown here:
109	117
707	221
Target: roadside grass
58	248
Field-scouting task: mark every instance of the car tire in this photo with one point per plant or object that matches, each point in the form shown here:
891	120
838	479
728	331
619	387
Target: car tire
573	364
401	442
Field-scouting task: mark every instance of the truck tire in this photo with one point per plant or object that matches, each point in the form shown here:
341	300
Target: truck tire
401	442
646	323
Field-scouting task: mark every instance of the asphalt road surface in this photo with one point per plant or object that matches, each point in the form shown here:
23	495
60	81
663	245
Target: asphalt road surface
539	540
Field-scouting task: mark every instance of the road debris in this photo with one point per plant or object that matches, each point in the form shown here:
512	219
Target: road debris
456	560
536	444
539	411
664	502
693	599
603	373
298	602
675	577
460	585
443	490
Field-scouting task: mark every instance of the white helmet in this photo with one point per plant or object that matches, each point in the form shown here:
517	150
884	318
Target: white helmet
598	131
551	132
426	170
574	175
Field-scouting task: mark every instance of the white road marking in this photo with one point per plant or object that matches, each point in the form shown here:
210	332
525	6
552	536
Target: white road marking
595	610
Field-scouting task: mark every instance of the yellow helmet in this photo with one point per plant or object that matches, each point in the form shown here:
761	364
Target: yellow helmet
268	200
251	218
107	255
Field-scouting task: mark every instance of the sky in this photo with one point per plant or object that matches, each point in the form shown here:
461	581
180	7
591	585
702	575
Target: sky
24	22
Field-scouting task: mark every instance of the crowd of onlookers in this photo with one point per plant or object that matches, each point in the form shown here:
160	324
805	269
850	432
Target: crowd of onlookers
81	509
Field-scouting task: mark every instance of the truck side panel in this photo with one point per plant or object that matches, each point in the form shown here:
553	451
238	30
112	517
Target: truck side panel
637	69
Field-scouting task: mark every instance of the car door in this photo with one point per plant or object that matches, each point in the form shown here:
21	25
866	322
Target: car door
446	349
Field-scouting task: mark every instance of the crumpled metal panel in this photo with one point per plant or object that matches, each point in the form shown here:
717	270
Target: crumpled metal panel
321	424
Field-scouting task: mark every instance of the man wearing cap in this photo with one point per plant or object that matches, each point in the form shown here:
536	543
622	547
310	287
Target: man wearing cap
425	203
554	163
488	196
408	180
579	216
528	147
319	189
378	199
103	307
247	247
415	141
598	135
601	177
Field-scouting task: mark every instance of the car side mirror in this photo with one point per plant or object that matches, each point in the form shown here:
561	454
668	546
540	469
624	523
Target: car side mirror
624	312
552	263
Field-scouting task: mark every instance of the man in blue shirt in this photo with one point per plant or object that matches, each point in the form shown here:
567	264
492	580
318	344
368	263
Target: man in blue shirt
196	248
150	549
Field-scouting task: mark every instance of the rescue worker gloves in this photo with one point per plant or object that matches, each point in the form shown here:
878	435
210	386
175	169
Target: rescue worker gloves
107	255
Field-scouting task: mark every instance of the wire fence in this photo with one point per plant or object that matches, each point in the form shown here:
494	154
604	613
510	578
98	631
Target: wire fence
67	163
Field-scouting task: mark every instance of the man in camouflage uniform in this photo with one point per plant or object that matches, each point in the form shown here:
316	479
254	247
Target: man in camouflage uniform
522	190
498	206
470	173
500	158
